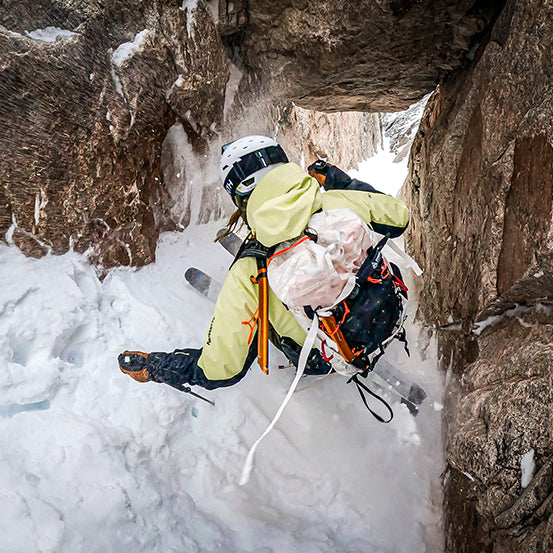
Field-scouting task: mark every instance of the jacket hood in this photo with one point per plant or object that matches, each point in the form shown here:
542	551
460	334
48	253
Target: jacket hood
282	203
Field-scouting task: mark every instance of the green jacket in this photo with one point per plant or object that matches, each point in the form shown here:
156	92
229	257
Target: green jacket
279	209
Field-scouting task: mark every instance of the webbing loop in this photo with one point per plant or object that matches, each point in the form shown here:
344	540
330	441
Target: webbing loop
360	387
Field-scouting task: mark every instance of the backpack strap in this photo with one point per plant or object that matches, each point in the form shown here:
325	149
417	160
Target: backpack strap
305	350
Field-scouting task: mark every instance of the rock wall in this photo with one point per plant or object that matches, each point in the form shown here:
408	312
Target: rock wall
112	115
344	139
481	194
89	90
371	56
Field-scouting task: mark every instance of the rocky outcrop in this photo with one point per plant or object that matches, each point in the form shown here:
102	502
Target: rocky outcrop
364	56
401	127
481	195
192	188
111	117
87	99
499	414
345	139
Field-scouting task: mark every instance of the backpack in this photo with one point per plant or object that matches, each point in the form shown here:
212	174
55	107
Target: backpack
336	270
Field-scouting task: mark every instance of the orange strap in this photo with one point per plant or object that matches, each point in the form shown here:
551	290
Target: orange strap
288	248
384	274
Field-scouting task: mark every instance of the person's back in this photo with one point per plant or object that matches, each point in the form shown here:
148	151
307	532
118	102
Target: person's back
277	199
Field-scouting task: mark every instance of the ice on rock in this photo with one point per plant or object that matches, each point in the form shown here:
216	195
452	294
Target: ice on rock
527	468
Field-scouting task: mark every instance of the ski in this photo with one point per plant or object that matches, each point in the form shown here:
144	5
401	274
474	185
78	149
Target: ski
410	391
231	242
374	382
203	283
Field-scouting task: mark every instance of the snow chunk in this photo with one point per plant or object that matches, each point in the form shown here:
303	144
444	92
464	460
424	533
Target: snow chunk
117	83
12	33
527	467
51	34
480	326
128	49
37	208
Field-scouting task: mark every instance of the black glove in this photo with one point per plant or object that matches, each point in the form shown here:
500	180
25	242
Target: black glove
330	176
315	365
175	369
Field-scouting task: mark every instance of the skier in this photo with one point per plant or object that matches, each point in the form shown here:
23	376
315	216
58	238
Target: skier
276	199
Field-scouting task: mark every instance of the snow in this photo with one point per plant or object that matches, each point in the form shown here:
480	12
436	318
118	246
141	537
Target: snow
381	171
128	49
94	461
527	468
117	83
401	127
50	34
189	6
515	311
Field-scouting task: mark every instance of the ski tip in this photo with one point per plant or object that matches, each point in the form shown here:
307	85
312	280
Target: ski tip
191	272
416	394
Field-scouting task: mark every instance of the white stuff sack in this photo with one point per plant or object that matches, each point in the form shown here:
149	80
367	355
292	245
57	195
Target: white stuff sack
320	273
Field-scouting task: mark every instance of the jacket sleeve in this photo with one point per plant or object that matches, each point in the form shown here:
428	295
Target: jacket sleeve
181	367
385	214
231	333
232	327
230	345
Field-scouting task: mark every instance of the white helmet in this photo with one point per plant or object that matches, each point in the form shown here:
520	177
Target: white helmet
245	161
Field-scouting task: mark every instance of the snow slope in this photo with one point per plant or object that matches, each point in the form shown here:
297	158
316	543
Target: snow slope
92	461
